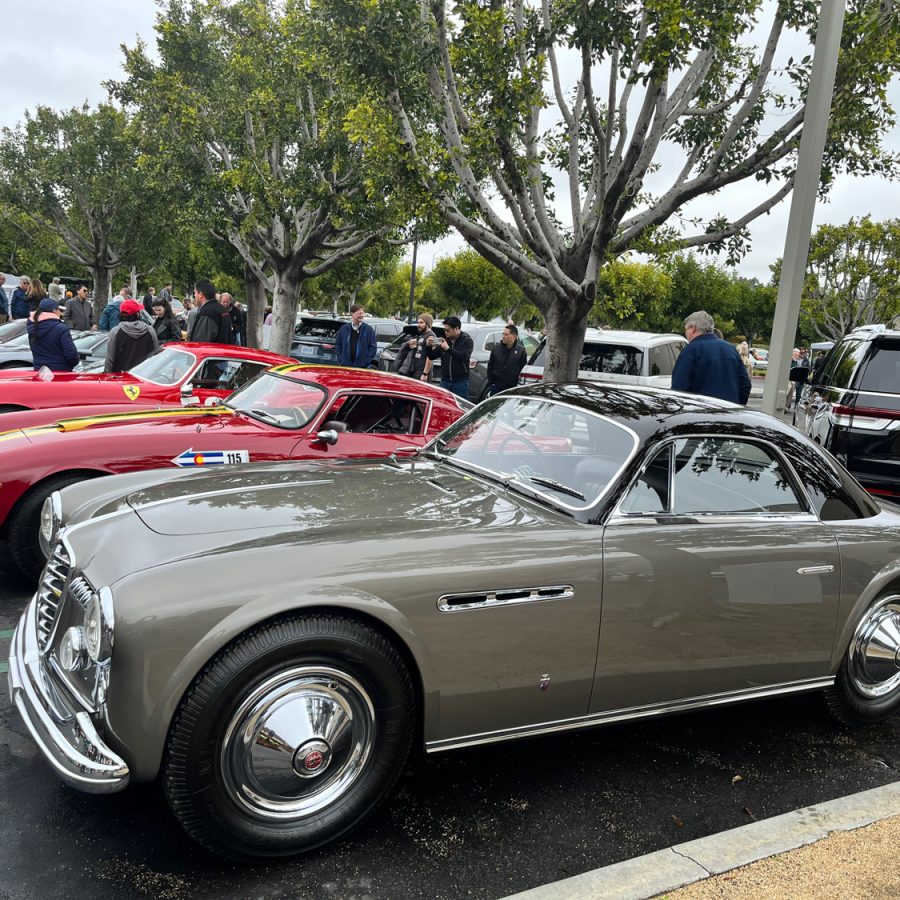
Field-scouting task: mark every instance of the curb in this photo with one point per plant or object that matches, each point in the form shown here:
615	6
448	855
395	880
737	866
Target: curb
681	864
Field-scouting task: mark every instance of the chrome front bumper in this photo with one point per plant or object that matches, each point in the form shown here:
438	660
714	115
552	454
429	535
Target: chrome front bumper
67	737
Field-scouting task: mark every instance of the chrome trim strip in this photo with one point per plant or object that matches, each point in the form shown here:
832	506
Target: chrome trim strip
815	570
625	715
452	603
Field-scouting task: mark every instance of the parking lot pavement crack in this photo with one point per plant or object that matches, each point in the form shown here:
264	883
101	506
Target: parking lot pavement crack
690	858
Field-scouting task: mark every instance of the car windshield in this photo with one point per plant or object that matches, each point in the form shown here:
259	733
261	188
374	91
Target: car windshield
610	359
278	400
168	366
562	453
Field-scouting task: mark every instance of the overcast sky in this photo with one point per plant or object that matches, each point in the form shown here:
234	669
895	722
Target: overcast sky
58	52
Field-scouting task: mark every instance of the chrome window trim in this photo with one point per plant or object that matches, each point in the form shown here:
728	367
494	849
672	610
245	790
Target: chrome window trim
629	714
505	597
493	475
618	515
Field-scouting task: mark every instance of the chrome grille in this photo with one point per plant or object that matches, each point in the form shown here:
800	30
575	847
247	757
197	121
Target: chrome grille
50	593
81	592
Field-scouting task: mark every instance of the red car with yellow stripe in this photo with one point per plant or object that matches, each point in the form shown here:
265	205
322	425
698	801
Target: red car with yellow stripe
289	412
214	370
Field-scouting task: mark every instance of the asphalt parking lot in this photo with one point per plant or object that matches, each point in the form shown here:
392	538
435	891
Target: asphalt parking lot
481	823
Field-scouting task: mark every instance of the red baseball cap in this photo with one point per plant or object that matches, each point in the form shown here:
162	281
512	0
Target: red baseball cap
130	307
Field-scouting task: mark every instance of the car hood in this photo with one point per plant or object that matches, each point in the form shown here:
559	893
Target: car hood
312	497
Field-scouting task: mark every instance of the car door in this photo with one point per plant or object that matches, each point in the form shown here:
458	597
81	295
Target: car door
718	578
368	423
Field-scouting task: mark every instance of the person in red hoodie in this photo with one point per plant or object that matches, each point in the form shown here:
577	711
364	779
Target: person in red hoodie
51	341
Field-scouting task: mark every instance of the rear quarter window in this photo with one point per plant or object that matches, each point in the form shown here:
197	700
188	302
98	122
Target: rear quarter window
880	370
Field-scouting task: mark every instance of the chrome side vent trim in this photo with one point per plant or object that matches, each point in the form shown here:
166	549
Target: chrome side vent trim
81	592
505	597
50	593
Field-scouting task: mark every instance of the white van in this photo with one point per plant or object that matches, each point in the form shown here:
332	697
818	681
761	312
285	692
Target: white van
623	357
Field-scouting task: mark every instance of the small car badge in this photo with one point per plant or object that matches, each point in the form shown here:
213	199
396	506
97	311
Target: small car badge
545	682
313	760
132	391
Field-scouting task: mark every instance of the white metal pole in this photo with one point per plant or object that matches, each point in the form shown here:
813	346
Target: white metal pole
803	202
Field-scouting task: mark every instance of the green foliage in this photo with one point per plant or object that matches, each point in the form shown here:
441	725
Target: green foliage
853	276
632	295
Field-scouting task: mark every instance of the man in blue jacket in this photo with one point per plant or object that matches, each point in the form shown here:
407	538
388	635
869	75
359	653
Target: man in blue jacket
709	365
356	344
19	308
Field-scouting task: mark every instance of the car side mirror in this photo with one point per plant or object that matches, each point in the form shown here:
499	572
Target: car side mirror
212	401
799	373
187	395
330	431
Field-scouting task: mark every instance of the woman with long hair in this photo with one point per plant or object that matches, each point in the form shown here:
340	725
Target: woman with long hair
36	293
164	322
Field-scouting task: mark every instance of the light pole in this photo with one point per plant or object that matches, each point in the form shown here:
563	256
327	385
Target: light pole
412	282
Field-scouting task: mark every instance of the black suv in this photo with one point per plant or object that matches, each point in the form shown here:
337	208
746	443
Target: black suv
852	407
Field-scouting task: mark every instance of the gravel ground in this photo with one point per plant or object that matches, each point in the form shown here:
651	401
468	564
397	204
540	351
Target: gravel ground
846	866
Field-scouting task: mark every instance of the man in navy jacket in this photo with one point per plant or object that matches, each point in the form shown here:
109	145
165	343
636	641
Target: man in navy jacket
709	365
51	341
356	344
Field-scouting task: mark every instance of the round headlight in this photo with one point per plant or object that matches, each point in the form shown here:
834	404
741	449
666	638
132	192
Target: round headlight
72	655
47	523
93	627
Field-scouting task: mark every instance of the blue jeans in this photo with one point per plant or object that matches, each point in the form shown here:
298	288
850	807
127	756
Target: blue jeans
460	387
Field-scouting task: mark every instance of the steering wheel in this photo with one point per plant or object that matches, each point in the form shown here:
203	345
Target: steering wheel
527	441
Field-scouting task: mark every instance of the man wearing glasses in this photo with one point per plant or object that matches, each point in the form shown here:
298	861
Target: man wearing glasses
79	314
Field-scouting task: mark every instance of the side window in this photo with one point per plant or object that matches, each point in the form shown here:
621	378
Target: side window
378	414
240	374
650	493
676	348
386	332
661	361
838	368
491	339
529	343
209	373
226	374
722	475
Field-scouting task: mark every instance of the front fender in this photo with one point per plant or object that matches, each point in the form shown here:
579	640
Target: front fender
162	645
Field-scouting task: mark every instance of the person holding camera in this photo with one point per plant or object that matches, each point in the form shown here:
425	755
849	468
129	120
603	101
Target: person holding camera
455	351
413	360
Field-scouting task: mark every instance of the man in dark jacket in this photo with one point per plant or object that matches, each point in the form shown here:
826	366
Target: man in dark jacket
455	350
131	341
356	344
79	314
507	359
19	307
412	359
212	324
51	342
709	365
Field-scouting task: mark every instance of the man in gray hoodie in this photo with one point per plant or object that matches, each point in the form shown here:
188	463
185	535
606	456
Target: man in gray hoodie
131	341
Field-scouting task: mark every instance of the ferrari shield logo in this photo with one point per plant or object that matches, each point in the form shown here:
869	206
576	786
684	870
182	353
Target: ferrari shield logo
131	391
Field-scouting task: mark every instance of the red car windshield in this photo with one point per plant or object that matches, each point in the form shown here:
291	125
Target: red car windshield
278	400
168	366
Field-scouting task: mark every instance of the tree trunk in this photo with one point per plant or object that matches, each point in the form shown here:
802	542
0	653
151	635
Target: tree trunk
255	292
565	325
102	281
284	310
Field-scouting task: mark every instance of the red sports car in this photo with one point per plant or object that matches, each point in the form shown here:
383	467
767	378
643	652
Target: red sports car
289	412
215	370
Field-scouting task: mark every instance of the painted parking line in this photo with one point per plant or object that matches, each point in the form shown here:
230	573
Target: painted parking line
5	634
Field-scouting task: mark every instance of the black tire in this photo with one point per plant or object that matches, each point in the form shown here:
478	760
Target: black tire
24	522
238	811
867	686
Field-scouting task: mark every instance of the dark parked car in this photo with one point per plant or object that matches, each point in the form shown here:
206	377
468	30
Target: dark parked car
853	408
315	337
279	636
484	336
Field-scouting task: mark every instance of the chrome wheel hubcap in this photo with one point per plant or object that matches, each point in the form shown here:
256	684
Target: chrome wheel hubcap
875	653
297	742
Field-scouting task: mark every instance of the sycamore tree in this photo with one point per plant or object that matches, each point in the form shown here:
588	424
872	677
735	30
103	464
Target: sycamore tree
76	177
853	276
555	135
241	110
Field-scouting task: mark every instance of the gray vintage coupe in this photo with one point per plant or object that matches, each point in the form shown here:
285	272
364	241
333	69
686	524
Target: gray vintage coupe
271	641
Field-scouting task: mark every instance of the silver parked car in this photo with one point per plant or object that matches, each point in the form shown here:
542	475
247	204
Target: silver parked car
277	638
